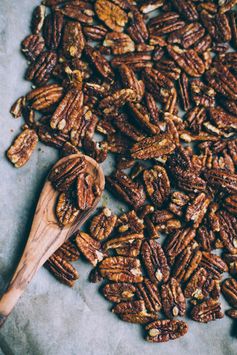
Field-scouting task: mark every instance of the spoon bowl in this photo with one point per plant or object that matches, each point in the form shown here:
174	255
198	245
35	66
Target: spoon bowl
46	236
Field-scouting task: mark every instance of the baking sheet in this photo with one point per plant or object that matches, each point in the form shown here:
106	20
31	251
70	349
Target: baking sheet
51	318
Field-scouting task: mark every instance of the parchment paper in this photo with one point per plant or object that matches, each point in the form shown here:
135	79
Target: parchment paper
50	318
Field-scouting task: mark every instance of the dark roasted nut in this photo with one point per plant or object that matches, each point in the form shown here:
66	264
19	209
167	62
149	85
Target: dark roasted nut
164	330
186	8
52	137
95	32
100	63
64	174
202	94
111	14
188	35
152	108
84	126
134	312
89	247
128	190
195	118
187	262
157	184
221	180
230	204
148	292
66	211
207	311
112	103
103	224
41	70
217	25
229	289
137	60
197	209
62	270
22	148
119	143
120	43
178	241
69	149
184	91
188	60
231	261
222	119
130	223
153	147
205	238
213	264
95	275
165	23
142	118
45	97
222	80
121	269
165	221
67	112
52	29
119	292
173	301
18	107
126	244
121	122
200	285
178	201
150	5
38	19
68	251
155	261
32	46
86	191
233	27
73	40
232	313
130	81
228	231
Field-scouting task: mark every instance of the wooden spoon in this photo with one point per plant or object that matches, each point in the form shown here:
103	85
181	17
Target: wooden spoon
46	236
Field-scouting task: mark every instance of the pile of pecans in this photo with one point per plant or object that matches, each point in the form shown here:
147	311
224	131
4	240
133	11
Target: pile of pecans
123	68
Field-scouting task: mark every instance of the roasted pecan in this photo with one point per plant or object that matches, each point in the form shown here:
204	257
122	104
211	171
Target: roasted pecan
197	209
157	184
217	25
32	46
187	262
81	11
233	27
18	107
202	94
188	60
222	80
122	122
142	118
178	241
231	261
103	224
230	204
213	264
148	292
228	230
62	270
89	247
150	5
134	312
173	301
67	112
207	311
200	285
221	180
153	147
184	91
195	118
137	60
126	244
66	211
205	237
52	29
84	127
165	221
130	223
164	330
22	148
121	269
130	81
41	70
51	137
112	103
73	40
186	8
165	23
119	292
111	14
229	289
45	97
222	119
152	107
99	62
178	201
120	43
232	313
64	174
155	261
95	32
86	191
188	35
68	251
128	190
38	19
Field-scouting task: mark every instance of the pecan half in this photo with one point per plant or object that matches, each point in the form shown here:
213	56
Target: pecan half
217	25
128	190
157	184
119	292
18	107
221	180
155	261
66	212
121	269
66	173
222	80
73	40
86	191
188	35
89	247
62	270
134	312
52	29
95	32
197	209
200	285
120	43
148	292
165	23
231	261
41	70
68	251
99	62
179	240
45	97
164	330
130	81
111	14
229	289
22	148
126	244
173	301
130	223
32	46
51	137
228	230
207	311
103	224
186	8
213	264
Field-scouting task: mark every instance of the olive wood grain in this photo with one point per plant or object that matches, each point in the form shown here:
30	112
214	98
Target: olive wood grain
45	237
